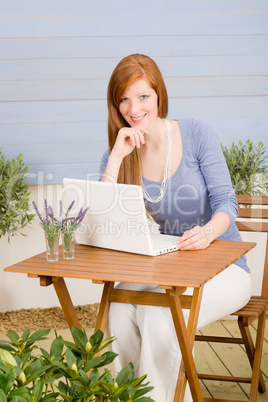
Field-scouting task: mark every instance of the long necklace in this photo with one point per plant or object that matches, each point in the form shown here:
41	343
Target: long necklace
163	187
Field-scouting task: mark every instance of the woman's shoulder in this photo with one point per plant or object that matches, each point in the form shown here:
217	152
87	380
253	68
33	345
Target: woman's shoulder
198	136
196	127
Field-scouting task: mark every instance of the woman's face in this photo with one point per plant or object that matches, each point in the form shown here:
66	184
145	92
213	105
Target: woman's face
139	104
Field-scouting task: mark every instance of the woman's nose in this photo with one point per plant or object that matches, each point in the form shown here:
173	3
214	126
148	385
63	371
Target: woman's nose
134	107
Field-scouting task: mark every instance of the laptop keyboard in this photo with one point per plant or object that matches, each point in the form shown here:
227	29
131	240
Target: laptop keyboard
160	243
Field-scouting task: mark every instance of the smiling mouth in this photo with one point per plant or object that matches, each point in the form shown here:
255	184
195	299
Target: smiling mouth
137	119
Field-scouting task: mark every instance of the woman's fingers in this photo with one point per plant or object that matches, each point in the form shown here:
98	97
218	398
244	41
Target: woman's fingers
194	239
132	136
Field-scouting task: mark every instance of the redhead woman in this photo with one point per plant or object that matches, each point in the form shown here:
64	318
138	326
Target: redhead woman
188	192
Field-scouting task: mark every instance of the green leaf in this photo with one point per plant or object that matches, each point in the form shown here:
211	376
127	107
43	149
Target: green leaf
13	336
21	391
45	354
26	358
3	397
25	335
49	397
70	358
38	389
84	376
38	335
7	358
63	387
7	380
95	362
109	358
96	338
57	347
6	345
142	392
79	337
124	375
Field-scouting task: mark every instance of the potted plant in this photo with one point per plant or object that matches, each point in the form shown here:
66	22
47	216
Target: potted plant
14	196
247	167
67	372
249	175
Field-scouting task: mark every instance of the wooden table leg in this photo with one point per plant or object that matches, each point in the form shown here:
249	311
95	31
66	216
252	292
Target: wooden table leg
66	302
191	329
185	341
104	307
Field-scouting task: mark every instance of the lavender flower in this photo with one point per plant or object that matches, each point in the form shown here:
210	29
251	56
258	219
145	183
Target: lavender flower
53	226
70	224
50	224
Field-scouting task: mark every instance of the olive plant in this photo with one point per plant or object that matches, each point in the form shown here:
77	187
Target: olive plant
14	196
247	166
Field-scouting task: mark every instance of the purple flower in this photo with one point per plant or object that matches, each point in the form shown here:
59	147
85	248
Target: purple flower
67	224
37	212
46	212
69	208
49	223
60	207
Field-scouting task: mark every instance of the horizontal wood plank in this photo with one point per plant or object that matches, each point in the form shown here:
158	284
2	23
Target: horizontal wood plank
73	26
101	68
251	200
228	130
33	8
96	110
77	89
115	46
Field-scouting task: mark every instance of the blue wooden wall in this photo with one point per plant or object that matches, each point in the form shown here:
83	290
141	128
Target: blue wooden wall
56	58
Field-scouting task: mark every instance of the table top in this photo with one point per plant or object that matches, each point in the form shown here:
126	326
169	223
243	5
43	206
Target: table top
179	268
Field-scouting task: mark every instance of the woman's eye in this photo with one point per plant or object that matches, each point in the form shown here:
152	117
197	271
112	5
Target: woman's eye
123	99
144	96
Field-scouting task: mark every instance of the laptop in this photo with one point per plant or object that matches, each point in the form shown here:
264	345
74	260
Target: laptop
116	218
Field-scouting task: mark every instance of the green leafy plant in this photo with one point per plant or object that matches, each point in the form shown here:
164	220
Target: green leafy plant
14	196
247	167
67	372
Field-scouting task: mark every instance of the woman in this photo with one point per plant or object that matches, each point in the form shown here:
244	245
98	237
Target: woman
187	189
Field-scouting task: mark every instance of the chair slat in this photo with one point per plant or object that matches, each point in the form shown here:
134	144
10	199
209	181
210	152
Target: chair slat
253	213
252	199
252	226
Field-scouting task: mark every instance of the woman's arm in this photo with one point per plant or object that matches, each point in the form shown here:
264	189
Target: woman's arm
200	237
221	195
112	169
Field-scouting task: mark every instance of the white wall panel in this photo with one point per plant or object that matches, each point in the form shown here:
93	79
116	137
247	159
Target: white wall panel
119	46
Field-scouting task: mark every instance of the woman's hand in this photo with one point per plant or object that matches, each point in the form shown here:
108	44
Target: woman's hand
127	139
196	238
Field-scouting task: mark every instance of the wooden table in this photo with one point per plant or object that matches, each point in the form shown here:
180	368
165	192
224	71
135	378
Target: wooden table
173	272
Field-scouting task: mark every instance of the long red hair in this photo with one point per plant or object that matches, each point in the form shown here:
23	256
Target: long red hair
129	70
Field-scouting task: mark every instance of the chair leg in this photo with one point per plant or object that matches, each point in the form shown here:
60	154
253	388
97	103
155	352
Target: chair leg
254	354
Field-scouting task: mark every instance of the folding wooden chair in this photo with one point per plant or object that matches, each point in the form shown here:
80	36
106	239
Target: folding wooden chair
249	208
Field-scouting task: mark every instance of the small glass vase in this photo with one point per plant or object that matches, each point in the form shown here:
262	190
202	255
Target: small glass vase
52	246
68	245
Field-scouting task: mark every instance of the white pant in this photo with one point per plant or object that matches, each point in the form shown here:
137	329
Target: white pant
146	336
